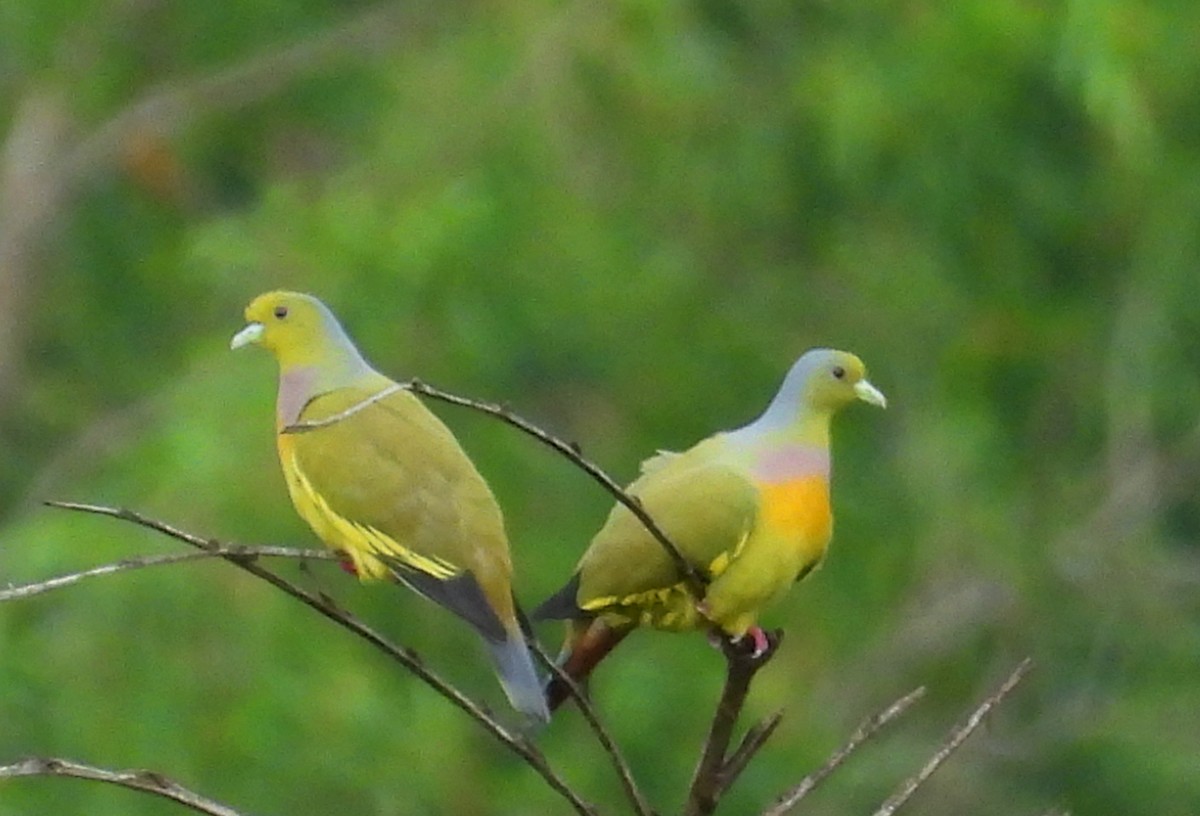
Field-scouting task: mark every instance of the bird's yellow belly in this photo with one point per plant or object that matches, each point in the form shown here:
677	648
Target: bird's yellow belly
790	539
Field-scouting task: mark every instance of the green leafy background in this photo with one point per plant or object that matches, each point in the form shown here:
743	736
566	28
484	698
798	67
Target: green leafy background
625	220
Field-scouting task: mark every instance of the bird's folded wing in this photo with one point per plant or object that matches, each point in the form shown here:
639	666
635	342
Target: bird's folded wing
707	510
397	483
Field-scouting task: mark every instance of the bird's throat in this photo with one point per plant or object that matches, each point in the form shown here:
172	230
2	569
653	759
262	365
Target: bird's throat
297	385
783	463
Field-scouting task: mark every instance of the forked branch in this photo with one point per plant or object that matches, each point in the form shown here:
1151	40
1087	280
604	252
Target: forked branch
12	593
717	770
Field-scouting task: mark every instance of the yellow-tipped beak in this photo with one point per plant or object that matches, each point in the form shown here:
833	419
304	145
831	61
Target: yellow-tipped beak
866	392
251	334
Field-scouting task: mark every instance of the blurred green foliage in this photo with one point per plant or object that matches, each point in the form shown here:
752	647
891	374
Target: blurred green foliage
626	220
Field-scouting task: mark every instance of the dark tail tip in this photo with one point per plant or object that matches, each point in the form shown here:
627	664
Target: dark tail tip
562	605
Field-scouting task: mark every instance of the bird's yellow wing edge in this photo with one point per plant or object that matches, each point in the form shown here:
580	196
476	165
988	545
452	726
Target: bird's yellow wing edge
363	542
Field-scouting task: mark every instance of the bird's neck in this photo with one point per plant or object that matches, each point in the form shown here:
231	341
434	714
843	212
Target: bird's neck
302	379
778	452
295	390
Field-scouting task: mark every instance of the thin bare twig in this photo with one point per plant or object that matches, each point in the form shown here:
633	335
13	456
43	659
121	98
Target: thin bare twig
138	780
517	743
624	772
753	740
864	732
691	575
314	424
956	738
12	593
709	781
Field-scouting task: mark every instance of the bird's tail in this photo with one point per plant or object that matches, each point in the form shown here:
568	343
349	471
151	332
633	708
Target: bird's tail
514	666
587	643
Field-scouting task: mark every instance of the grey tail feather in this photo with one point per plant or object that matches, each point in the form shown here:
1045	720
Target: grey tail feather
514	665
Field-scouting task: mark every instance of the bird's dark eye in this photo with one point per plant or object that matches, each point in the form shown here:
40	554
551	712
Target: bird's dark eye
839	372
281	312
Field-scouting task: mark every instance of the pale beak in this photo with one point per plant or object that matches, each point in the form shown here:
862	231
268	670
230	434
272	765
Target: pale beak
866	392
251	334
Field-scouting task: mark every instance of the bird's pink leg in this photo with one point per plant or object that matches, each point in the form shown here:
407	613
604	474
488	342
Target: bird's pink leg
347	565
756	634
759	638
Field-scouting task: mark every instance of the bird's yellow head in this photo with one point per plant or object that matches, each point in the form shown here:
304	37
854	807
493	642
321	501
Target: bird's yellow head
297	328
829	379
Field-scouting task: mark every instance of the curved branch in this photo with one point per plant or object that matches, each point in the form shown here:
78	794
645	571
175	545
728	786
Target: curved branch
13	593
138	780
640	806
864	732
571	451
517	743
957	736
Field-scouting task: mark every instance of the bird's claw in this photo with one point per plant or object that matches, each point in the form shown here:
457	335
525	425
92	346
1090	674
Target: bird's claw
755	638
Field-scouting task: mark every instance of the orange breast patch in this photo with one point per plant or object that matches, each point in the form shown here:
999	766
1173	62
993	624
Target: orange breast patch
798	510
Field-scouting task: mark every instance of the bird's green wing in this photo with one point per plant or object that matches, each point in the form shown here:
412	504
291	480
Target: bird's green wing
394	483
706	507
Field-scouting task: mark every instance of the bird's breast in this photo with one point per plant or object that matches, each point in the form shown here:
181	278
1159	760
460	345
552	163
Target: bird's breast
797	511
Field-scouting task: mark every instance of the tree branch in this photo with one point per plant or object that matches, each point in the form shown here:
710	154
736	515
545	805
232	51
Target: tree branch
640	806
753	740
956	738
138	780
711	779
864	732
406	657
571	451
309	425
12	593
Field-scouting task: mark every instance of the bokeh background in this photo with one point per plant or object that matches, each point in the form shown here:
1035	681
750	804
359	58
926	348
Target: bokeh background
626	219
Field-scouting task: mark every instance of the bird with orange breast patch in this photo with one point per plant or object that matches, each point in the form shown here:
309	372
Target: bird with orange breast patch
748	508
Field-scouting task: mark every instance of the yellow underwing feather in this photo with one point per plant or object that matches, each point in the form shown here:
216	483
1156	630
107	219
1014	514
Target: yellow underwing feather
361	541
